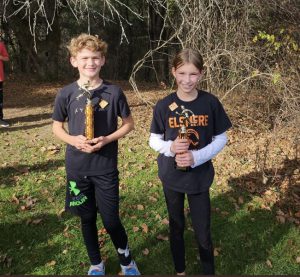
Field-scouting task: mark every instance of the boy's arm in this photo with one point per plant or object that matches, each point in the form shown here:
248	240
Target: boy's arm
126	127
80	142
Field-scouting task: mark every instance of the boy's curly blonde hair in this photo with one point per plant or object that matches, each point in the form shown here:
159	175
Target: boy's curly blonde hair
90	42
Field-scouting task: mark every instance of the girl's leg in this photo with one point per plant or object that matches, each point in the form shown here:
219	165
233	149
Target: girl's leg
175	206
200	214
107	197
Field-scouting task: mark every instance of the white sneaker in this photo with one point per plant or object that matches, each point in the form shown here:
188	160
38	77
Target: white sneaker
4	123
130	269
98	269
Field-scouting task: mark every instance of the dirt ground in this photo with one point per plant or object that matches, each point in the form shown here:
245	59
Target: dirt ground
261	161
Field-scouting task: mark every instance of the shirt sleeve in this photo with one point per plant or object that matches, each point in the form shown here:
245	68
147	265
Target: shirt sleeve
60	108
157	143
123	107
157	124
208	152
221	120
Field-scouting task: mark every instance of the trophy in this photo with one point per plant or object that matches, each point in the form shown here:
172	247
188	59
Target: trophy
183	133
88	111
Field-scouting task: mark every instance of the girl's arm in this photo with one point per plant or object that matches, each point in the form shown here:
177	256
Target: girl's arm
199	157
157	143
209	151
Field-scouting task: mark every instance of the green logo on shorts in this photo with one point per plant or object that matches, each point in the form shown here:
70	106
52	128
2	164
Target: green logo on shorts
73	188
79	198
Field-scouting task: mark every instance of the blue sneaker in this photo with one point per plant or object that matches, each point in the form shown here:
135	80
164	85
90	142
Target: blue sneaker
97	269
130	269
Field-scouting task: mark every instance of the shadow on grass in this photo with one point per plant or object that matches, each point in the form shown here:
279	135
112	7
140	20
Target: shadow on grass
25	247
245	234
30	118
9	175
23	128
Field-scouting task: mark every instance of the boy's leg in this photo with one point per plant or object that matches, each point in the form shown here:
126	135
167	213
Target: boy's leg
200	214
175	205
107	197
80	200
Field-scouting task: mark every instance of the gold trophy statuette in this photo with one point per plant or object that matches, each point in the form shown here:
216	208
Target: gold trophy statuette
183	134
88	111
89	120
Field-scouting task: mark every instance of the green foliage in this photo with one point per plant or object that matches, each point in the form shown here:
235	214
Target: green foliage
282	41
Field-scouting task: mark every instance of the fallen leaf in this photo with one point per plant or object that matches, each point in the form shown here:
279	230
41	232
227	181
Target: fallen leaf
15	199
145	228
135	228
269	264
102	231
217	251
280	219
158	217
165	221
297	214
298	260
52	263
60	213
140	207
241	200
152	199
161	237
37	221
145	251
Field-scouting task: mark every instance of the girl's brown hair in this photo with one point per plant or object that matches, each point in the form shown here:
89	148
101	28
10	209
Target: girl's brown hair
188	55
90	42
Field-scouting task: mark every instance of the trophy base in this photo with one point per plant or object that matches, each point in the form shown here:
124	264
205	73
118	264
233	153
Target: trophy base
182	168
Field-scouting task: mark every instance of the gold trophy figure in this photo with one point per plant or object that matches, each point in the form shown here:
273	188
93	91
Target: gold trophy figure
182	133
88	111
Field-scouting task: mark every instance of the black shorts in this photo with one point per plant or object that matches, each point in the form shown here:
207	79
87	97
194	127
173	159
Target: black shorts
89	194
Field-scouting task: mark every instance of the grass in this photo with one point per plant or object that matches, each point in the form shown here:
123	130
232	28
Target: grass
38	238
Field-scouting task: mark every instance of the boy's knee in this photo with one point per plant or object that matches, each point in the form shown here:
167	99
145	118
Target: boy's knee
88	218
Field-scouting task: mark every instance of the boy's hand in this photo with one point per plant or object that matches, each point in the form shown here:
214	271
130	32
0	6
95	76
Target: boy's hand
98	143
180	146
185	159
79	142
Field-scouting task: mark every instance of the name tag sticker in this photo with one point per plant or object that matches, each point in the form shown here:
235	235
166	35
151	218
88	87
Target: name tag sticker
173	106
103	104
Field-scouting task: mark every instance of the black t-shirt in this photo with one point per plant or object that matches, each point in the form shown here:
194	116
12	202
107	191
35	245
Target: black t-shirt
207	118
109	103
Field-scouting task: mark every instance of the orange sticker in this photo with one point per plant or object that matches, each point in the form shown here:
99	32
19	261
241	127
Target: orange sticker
173	106
103	104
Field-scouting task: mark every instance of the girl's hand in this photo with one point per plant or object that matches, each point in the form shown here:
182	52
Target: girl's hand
180	146
185	159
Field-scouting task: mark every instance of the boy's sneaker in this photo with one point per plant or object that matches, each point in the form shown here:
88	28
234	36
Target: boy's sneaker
3	123
97	269
130	269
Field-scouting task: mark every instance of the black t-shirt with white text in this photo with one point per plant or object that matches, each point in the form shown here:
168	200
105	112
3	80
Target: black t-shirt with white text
109	103
206	118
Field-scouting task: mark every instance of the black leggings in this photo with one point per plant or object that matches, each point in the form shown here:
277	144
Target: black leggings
1	100
200	214
102	194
